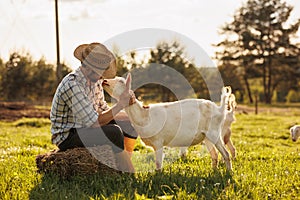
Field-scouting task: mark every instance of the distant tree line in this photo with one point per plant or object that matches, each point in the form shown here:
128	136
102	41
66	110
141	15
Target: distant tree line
23	79
167	74
258	58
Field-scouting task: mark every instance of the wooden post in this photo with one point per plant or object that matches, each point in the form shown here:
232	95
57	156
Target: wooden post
58	65
256	104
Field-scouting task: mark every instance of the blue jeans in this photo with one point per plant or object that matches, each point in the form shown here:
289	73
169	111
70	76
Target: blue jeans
111	134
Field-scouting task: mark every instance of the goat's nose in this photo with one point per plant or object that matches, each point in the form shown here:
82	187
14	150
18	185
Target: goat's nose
105	82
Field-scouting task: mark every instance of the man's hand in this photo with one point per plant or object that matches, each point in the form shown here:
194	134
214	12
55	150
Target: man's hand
127	98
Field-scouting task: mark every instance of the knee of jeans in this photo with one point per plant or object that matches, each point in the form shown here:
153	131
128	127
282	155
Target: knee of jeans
118	135
132	135
118	131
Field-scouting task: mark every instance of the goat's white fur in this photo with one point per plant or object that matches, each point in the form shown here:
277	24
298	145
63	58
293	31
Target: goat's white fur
226	134
295	132
175	124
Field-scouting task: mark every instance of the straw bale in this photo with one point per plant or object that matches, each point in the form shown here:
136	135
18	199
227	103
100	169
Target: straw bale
77	161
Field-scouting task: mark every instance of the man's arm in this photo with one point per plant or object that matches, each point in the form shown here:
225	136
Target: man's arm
126	99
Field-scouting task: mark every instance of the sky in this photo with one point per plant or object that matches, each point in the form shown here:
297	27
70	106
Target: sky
29	25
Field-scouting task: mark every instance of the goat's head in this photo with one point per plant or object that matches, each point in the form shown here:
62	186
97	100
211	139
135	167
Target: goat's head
295	132
226	91
231	103
116	86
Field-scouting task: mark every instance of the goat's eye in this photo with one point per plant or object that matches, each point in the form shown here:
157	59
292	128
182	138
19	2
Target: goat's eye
122	81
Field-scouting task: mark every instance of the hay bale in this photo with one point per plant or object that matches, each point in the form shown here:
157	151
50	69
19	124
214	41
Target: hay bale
78	161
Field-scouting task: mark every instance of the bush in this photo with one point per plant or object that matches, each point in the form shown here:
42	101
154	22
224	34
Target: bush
293	96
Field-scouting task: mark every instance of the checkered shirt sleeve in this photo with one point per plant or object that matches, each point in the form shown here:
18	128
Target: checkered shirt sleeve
71	108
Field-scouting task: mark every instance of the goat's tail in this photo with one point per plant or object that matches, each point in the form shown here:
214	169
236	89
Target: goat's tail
226	92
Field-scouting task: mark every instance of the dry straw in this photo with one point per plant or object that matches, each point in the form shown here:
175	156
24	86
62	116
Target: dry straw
77	161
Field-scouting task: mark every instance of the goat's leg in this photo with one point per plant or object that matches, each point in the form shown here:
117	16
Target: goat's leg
213	153
220	146
159	158
183	152
231	148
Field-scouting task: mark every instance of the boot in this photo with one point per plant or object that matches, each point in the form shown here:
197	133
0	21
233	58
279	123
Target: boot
129	145
124	163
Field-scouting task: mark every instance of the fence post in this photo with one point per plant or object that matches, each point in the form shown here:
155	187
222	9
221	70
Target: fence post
256	104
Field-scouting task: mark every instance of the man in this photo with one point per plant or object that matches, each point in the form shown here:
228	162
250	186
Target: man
79	114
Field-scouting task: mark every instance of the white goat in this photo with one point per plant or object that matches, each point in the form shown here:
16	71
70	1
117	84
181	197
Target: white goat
295	132
226	132
229	119
175	124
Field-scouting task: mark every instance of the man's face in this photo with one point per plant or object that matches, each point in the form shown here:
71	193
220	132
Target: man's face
93	76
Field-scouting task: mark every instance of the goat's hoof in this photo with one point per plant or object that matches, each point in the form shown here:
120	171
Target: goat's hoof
229	172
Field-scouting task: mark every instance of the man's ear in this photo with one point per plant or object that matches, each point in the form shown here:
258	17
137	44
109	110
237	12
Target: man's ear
128	81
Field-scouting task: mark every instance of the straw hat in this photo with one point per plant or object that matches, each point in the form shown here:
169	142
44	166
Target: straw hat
98	58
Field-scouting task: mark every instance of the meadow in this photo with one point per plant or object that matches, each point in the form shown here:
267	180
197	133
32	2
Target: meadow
267	166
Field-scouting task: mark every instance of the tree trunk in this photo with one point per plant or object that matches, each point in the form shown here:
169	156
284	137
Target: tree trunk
248	89
269	83
264	81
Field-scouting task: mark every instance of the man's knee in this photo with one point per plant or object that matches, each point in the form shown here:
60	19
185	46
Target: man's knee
115	135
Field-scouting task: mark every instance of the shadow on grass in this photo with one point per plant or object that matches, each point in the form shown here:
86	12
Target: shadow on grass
81	187
178	184
186	184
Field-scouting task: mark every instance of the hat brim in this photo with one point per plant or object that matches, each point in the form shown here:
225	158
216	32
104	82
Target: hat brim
79	50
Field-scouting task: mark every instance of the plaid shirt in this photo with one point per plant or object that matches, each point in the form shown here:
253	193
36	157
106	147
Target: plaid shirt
75	105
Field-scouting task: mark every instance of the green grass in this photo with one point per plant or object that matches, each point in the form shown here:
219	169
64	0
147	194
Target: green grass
267	167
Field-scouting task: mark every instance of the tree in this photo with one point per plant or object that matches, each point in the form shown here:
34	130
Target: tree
16	74
42	80
232	76
24	79
166	75
172	55
259	41
2	70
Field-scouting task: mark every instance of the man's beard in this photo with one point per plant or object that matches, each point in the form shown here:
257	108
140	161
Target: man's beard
92	78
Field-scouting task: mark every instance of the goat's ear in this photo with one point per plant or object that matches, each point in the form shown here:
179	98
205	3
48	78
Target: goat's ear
128	81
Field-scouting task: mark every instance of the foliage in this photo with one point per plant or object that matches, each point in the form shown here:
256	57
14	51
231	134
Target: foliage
266	166
121	61
22	78
25	79
259	41
2	69
17	72
293	96
166	75
172	55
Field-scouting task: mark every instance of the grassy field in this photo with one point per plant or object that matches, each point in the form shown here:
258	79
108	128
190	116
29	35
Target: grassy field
267	166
